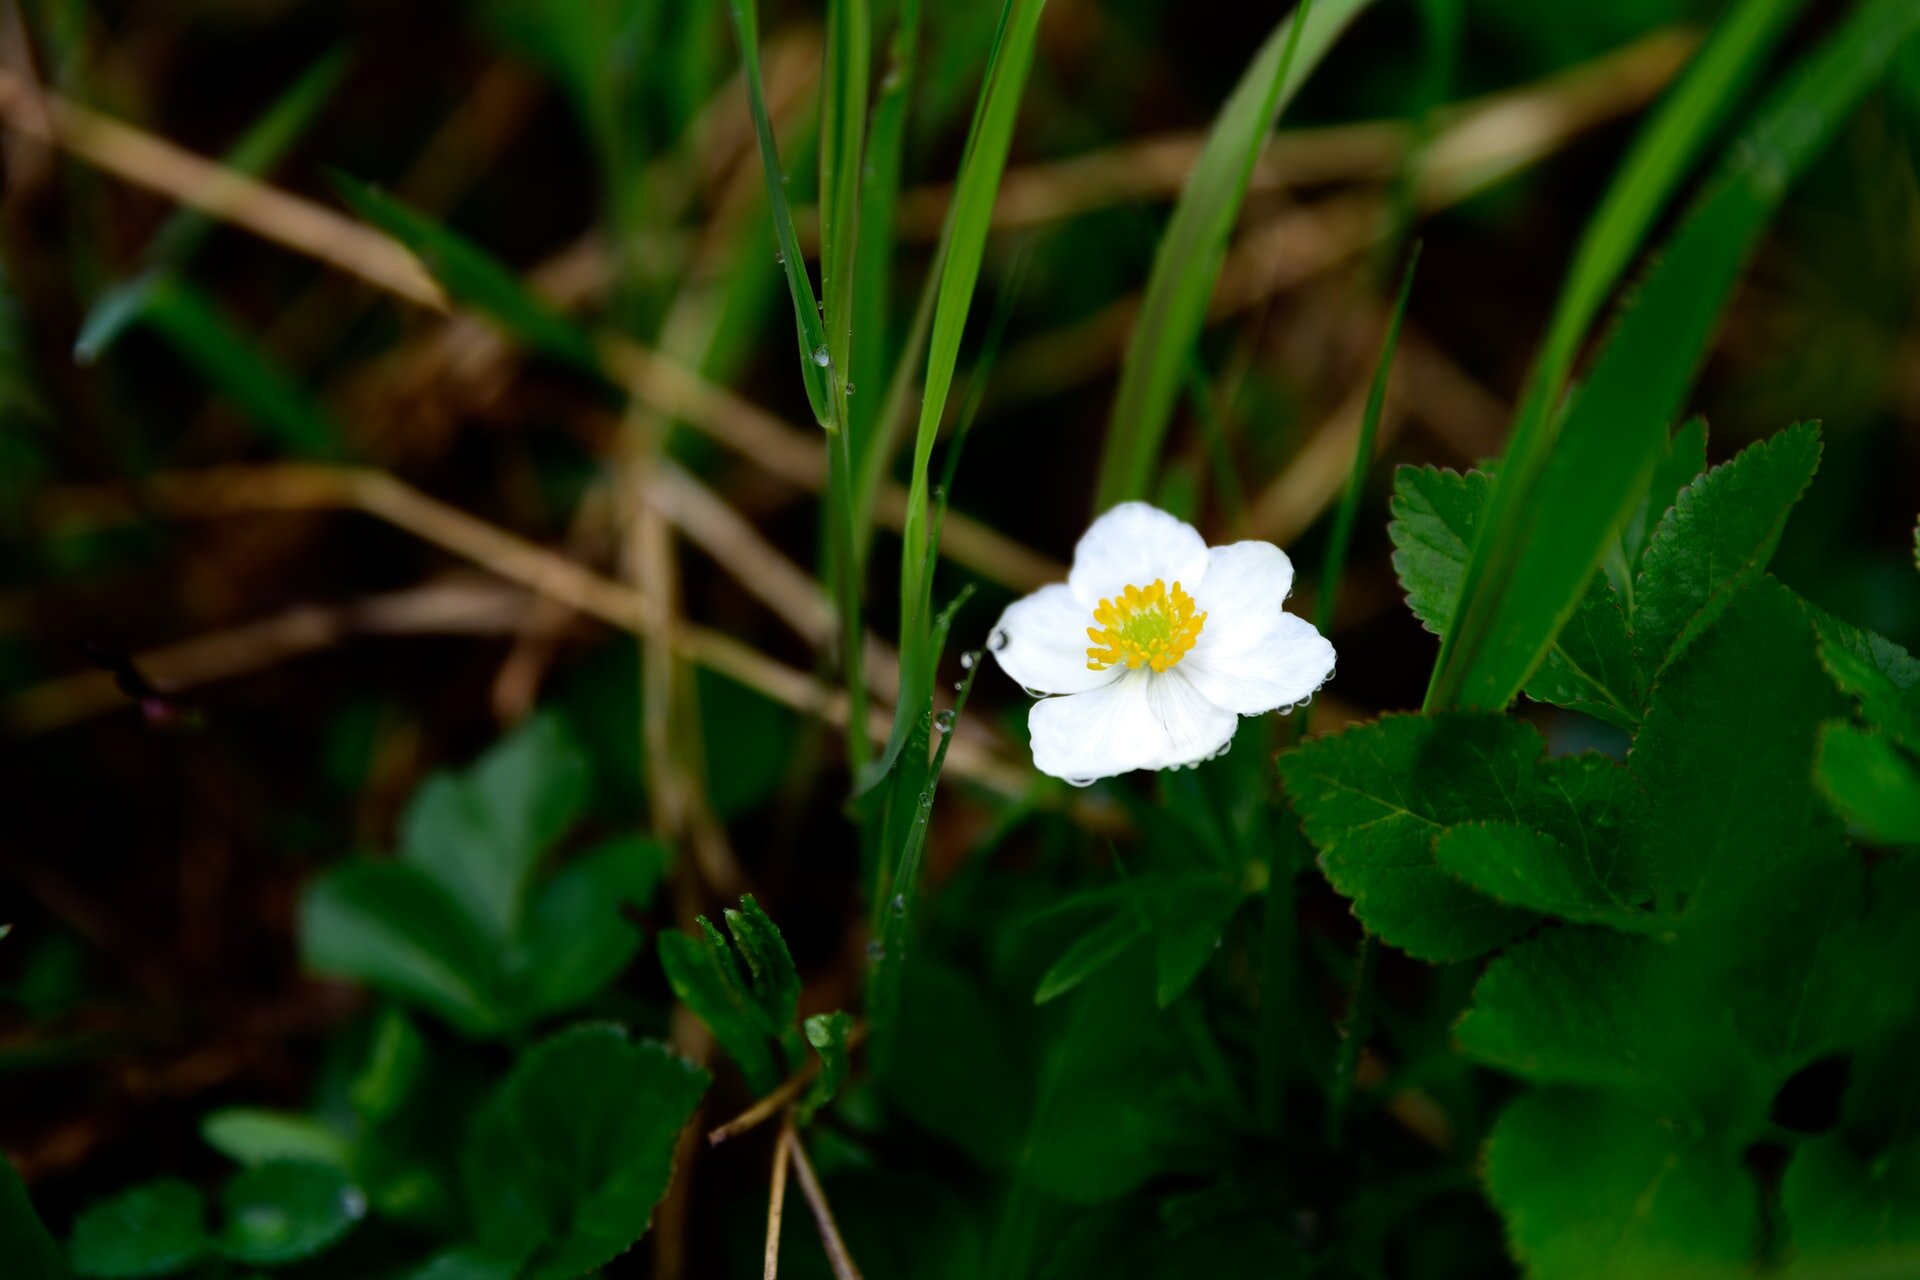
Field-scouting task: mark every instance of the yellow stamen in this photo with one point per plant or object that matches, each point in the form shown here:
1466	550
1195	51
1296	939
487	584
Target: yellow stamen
1148	626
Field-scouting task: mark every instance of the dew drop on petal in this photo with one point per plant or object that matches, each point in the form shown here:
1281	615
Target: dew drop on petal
998	641
1081	782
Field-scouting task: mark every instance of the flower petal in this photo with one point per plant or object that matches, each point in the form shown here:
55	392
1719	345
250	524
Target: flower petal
1098	734
1253	656
1132	545
1196	727
1041	641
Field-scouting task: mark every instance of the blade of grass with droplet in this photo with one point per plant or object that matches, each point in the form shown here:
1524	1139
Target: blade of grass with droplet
843	124
239	371
263	145
1193	248
814	357
1343	517
1547	532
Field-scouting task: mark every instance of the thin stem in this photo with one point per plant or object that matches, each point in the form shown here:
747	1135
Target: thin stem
837	1255
847	581
1276	980
1354	1030
776	1201
789	1089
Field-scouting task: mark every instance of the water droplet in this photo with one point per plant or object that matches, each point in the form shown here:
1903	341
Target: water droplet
967	660
353	1203
1081	782
998	641
820	356
779	258
876	951
943	723
849	388
899	904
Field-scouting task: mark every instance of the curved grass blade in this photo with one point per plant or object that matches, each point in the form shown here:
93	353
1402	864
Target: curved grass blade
1547	532
1343	517
1188	261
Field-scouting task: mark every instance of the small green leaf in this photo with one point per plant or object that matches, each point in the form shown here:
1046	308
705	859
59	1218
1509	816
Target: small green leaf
572	1152
1606	882
577	938
1640	1196
251	1137
828	1034
285	1211
1091	952
396	1058
1589	667
705	978
1873	784
1717	537
1685	458
473	277
1884	677
395	929
481	832
154	1230
774	981
1188	916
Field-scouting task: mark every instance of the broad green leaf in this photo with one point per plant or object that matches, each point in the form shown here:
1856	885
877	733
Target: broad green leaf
1192	249
1717	537
473	277
1374	798
1726	753
1188	916
828	1034
1842	1207
1435	517
1557	506
1091	952
1606	881
770	972
480	833
241	371
395	929
572	1152
577	937
1685	458
706	978
285	1211
1872	783
154	1230
250	1136
1594	1188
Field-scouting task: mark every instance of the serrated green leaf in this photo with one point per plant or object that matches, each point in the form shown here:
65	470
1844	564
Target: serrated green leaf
154	1230
394	928
1685	458
473	277
1589	667
1604	882
1872	783
249	1136
828	1033
577	937
1725	753
774	981
572	1152
704	977
285	1211
1192	249
1884	677
1717	537
1644	1197
481	832
1374	798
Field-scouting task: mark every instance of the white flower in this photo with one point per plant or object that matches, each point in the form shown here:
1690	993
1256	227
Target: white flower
1185	641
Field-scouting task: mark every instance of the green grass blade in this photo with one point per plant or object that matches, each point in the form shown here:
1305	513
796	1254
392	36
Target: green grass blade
1547	531
843	123
262	147
1344	515
1187	263
239	371
815	359
473	277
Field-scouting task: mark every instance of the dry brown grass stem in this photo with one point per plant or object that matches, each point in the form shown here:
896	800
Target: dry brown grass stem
837	1256
776	1201
780	1098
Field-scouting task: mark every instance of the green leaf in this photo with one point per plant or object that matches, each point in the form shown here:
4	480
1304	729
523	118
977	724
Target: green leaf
1091	952
154	1230
286	1211
1726	751
24	1240
465	1264
957	1072
1589	667
1873	784
1605	881
577	937
775	983
1557	506
1843	1208
395	929
1374	798
574	1149
481	832
1188	916
473	277
1192	249
1644	1197
706	978
250	1136
1876	671
828	1033
396	1059
1717	537
1685	458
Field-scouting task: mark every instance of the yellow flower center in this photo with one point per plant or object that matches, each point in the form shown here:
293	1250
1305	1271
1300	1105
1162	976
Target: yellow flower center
1146	626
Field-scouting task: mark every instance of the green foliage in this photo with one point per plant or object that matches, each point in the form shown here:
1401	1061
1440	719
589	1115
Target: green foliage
572	1152
829	1034
458	925
24	1240
286	1210
158	1229
252	1137
748	1013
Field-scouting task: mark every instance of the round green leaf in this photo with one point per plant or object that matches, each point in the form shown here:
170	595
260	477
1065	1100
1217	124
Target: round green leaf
287	1210
153	1230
